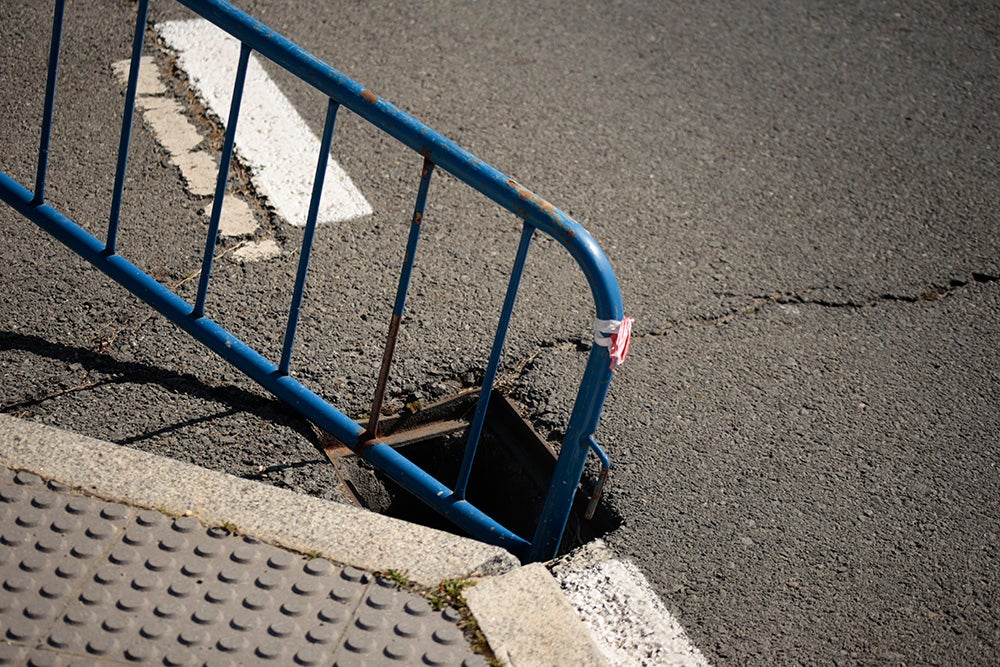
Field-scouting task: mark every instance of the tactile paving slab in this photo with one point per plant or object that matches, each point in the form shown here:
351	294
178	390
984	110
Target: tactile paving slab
91	582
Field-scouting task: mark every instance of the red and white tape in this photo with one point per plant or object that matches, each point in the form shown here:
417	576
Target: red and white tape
616	335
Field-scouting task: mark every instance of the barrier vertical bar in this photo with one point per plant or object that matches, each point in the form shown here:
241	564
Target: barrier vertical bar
126	135
397	311
476	427
220	183
572	456
307	238
50	99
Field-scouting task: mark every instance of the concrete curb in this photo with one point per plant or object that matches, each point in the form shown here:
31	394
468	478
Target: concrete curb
522	611
302	523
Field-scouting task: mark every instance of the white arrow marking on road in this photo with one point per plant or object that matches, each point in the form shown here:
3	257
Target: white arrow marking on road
272	139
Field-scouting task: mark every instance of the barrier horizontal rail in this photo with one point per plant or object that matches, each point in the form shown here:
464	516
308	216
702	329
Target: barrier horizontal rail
612	329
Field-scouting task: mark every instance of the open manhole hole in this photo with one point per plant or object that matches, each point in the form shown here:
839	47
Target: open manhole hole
509	480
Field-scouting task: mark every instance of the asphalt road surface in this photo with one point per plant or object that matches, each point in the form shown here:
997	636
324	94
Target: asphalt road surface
799	199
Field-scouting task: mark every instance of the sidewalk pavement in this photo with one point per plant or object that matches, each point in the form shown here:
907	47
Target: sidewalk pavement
110	555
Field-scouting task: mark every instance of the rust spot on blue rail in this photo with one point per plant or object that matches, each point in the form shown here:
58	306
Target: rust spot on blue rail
526	194
369	96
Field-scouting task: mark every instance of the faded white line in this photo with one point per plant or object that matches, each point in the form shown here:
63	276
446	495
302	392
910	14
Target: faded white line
181	140
272	139
625	616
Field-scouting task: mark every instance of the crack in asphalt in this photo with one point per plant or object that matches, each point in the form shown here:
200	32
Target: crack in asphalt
932	293
759	302
756	303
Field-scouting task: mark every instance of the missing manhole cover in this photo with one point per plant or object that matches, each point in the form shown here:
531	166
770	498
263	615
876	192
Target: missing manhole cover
509	479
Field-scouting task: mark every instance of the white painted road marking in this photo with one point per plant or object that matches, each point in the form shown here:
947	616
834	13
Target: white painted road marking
181	139
626	618
272	139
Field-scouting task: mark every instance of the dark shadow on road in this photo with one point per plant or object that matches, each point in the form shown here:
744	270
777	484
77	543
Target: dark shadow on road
115	371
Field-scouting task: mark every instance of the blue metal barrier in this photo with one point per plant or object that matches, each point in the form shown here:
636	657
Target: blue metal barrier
437	152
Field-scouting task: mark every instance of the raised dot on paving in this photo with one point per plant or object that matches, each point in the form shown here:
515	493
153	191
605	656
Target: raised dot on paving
353	574
44	500
94	594
192	637
268	651
308	656
344	592
243	554
99	530
322	634
114	512
64	524
80	505
159	562
268	580
243	621
448	634
131	601
85	550
397	649
116	622
194	569
102	645
49	543
79	616
294	607
27	479
61	638
138	652
21	630
370	620
14	537
332	614
408	627
206	616
153	629
144	582
306	587
208	549
231	643
38	610
218	594
380	598
281	628
172	543
149	518
281	560
137	536
168	609
318	566
359	642
54	590
435	656
16	583
12	655
33	562
123	555
185	524
29	518
417	607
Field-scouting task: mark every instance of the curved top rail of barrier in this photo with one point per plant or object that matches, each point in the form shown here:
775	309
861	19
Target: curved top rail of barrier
444	152
612	330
